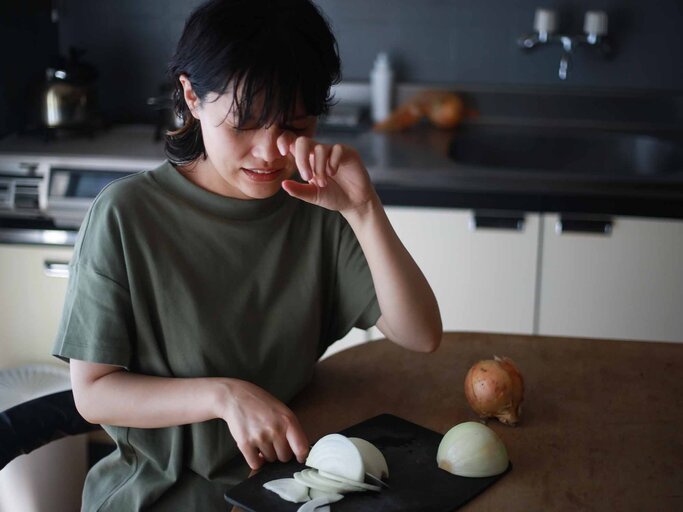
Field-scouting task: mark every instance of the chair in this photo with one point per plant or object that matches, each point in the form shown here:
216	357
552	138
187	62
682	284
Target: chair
49	479
30	425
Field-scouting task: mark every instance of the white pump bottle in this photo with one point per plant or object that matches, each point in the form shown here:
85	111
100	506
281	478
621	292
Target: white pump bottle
381	88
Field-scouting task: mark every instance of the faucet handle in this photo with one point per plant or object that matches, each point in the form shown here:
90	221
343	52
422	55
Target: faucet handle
595	23
545	21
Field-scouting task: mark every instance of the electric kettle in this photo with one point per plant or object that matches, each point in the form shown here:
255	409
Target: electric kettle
68	96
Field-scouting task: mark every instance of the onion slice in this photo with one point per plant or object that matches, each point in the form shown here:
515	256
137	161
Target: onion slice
315	477
324	486
316	503
361	486
288	489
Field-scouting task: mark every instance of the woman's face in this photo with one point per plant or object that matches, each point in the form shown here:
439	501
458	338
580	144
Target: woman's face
242	163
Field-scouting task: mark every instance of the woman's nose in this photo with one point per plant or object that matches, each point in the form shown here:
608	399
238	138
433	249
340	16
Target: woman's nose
265	144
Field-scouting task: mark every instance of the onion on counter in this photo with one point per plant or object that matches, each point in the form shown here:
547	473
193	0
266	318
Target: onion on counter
473	450
494	388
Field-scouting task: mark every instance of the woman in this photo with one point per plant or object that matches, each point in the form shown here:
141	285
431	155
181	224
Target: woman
203	292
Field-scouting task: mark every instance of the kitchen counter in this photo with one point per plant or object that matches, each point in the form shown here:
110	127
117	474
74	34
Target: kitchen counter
412	168
600	426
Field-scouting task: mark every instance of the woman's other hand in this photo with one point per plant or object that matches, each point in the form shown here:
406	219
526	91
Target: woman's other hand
335	175
263	427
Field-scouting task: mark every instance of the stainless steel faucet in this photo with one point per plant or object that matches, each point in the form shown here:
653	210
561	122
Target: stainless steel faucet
545	24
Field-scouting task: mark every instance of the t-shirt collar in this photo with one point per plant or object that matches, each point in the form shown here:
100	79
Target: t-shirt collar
242	209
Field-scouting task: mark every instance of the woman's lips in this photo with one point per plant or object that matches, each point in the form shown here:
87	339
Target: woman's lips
262	174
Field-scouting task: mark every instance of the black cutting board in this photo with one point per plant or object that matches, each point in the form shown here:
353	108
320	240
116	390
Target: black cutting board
416	482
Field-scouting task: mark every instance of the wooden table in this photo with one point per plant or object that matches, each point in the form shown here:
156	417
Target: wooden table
601	423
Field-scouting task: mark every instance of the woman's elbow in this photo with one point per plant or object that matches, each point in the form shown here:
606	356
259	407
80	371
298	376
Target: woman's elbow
432	342
430	339
83	403
434	335
85	386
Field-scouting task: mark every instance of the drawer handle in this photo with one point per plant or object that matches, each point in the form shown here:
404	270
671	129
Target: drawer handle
597	226
512	221
56	269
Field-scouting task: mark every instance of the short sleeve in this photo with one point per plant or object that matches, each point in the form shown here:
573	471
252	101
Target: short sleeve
97	317
354	302
96	320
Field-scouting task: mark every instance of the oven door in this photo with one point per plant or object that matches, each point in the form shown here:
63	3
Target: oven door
71	190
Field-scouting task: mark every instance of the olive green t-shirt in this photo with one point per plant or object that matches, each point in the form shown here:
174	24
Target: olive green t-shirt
172	280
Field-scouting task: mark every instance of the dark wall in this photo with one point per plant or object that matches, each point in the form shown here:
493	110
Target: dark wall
474	41
457	41
28	39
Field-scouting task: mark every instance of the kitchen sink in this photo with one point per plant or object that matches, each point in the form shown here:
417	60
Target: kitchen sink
568	151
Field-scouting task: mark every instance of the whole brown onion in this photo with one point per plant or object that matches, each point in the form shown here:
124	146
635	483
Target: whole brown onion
494	388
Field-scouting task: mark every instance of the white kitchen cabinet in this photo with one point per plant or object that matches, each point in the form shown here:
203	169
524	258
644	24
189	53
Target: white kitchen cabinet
626	284
484	279
32	299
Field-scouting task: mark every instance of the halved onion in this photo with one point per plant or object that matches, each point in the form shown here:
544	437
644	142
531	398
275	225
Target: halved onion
338	455
473	450
373	460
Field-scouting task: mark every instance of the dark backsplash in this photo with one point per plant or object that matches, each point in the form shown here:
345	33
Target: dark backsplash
430	41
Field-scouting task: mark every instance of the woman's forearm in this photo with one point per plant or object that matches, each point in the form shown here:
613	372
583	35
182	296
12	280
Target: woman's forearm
410	313
128	399
263	428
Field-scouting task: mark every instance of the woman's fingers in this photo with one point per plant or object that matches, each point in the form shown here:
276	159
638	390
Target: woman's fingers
297	440
251	455
336	154
268	451
321	154
302	151
282	449
284	142
315	161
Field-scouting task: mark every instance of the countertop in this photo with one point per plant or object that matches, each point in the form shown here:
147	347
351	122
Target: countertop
600	427
412	168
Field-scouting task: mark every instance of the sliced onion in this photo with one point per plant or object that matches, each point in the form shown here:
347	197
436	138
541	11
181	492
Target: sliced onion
288	489
473	450
317	503
341	487
361	486
315	493
373	460
329	487
336	454
337	465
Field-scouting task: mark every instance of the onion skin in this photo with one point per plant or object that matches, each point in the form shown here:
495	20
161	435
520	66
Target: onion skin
494	388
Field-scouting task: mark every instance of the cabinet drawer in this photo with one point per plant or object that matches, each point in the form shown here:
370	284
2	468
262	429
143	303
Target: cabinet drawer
624	282
33	290
483	277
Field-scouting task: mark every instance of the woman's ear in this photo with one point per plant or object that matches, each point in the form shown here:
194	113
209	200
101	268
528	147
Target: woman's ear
190	97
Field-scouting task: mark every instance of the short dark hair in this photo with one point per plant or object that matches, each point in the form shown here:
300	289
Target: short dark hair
280	49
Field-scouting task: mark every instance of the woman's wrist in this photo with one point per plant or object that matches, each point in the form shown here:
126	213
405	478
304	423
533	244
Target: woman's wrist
220	396
361	215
